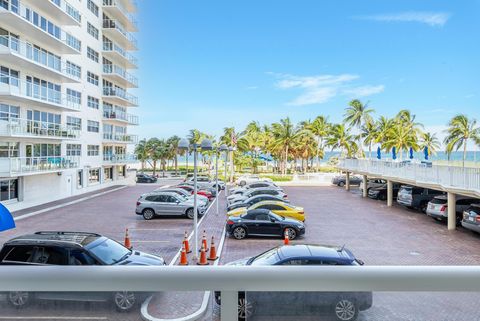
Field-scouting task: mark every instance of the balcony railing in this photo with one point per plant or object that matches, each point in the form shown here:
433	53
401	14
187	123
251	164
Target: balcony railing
445	177
117	25
29	52
120	93
15	87
32	128
339	279
121	116
67	8
113	47
117	4
110	69
120	158
34	165
121	138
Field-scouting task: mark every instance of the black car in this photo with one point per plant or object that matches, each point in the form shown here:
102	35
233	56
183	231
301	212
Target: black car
380	193
262	222
416	197
73	248
343	305
145	178
255	199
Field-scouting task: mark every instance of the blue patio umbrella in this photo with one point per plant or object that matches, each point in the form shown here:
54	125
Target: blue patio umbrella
411	153
394	153
379	153
425	152
6	219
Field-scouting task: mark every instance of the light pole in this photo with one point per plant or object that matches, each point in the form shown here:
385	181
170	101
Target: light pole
226	173
205	145
232	168
222	148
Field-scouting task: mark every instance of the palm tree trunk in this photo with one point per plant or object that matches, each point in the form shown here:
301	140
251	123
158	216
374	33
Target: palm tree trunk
464	153
176	164
318	152
286	160
154	166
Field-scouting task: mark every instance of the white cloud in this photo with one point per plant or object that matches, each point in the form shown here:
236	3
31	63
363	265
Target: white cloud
322	88
433	19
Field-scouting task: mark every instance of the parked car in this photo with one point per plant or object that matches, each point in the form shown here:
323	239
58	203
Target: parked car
252	192
279	208
260	222
373	183
341	180
438	207
166	203
181	191
343	306
471	218
380	193
145	178
416	197
240	189
73	248
206	181
247	179
255	199
203	186
205	193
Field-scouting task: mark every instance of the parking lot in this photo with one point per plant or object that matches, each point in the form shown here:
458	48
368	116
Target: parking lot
374	233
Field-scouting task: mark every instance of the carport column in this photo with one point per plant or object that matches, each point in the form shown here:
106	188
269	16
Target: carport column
389	193
347	181
364	186
229	308
451	207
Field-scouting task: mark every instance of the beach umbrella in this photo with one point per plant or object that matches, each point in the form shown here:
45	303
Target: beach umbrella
411	153
379	153
425	152
394	153
6	219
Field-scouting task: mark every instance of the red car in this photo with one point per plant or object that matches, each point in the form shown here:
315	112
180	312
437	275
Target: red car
205	193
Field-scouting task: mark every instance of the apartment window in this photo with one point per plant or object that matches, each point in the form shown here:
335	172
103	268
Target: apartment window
8	112
92	78
92	30
43	150
8	149
74	96
44	90
80	178
43	56
93	150
73	69
74	123
74	150
41	122
93	102
108	173
92	7
93	126
8	189
94	176
92	54
42	23
9	76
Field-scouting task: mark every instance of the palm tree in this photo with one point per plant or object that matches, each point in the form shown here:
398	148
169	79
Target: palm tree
284	134
229	138
357	115
431	142
461	130
319	128
152	146
141	150
341	138
369	132
402	138
383	125
172	143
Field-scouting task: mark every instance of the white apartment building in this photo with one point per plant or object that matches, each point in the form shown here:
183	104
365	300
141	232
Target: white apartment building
64	97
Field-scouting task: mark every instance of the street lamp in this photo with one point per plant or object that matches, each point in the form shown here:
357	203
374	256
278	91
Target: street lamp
221	148
232	168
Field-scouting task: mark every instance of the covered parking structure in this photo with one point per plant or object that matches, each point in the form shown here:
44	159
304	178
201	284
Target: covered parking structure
453	180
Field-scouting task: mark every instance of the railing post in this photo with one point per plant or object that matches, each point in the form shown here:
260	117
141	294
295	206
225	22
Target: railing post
229	309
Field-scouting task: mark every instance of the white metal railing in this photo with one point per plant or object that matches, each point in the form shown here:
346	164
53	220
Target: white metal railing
29	128
466	178
112	69
26	13
122	138
120	115
30	52
117	25
122	9
113	47
120	93
247	278
120	158
68	9
29	90
29	165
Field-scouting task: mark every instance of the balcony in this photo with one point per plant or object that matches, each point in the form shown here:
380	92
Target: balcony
115	8
18	91
21	54
113	29
120	159
64	12
120	117
120	76
120	138
20	18
114	52
130	5
118	96
16	127
23	166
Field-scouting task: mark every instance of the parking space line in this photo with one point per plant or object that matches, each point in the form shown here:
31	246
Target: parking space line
152	229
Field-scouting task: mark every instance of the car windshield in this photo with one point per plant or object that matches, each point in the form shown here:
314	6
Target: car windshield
277	217
267	258
110	252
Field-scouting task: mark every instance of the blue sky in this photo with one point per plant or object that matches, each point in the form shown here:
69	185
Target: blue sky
212	64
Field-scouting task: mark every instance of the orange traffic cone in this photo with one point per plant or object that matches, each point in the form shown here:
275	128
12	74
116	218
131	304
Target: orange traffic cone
203	257
183	256
213	252
286	240
186	244
127	243
204	241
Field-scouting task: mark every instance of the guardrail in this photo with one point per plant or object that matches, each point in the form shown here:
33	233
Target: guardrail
34	128
248	278
32	165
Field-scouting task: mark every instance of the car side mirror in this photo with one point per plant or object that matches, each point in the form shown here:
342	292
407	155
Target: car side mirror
272	220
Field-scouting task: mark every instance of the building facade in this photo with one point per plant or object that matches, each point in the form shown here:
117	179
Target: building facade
65	101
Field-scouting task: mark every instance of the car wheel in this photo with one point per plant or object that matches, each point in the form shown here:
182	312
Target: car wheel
239	233
124	301
18	299
246	308
148	214
341	184
383	197
345	309
190	213
423	207
291	232
242	183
